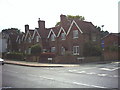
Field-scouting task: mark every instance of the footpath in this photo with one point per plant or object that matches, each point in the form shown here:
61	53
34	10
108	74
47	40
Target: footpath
36	64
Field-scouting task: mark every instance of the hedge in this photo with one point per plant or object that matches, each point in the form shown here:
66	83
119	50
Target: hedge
15	56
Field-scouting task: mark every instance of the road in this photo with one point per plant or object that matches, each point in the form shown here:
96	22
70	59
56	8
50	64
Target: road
83	76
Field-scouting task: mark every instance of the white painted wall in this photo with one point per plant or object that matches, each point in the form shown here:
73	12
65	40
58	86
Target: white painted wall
3	44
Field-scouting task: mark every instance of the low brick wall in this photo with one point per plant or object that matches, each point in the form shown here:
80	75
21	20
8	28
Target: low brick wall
75	59
111	56
92	59
65	59
32	58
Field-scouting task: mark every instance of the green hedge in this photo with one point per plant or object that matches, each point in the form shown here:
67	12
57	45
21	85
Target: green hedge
15	56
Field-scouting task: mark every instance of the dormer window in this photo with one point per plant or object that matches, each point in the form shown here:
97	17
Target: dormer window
52	37
63	37
75	34
37	38
29	40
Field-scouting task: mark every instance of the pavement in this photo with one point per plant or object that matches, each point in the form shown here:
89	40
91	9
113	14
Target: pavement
36	64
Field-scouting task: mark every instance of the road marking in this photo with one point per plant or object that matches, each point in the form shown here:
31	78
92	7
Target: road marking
72	70
6	87
102	74
91	73
108	69
89	85
81	72
115	76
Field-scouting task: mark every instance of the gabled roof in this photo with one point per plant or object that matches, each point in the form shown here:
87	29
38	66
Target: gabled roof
20	36
83	27
51	32
115	34
73	22
30	33
61	29
36	31
86	26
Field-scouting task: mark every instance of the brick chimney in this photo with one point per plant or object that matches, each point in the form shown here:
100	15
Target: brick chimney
41	24
26	28
41	28
63	19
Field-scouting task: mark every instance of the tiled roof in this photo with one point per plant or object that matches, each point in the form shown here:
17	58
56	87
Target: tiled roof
31	31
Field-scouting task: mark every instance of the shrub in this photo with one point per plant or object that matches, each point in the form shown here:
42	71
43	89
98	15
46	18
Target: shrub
36	49
15	55
92	50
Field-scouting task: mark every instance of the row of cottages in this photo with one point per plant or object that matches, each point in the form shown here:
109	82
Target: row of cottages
65	40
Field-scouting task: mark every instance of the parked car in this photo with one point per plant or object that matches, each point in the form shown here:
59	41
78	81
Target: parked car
1	61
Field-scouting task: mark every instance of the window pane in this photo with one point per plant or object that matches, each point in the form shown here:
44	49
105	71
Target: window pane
75	34
52	37
37	38
75	50
52	49
63	36
62	51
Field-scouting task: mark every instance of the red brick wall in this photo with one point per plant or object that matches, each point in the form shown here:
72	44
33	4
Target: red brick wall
111	56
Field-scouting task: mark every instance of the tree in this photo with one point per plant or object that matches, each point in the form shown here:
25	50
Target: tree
82	18
102	33
76	17
92	50
16	30
36	49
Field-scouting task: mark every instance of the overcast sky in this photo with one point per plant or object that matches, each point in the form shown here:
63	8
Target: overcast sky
17	13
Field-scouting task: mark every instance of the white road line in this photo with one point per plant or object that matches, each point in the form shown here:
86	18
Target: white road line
91	73
102	74
107	69
81	72
89	85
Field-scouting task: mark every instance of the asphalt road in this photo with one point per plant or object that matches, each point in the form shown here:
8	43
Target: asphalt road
84	76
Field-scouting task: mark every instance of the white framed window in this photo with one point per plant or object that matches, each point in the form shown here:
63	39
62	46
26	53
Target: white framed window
37	38
52	37
29	40
19	41
75	50
29	50
93	38
63	37
62	51
53	49
75	34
